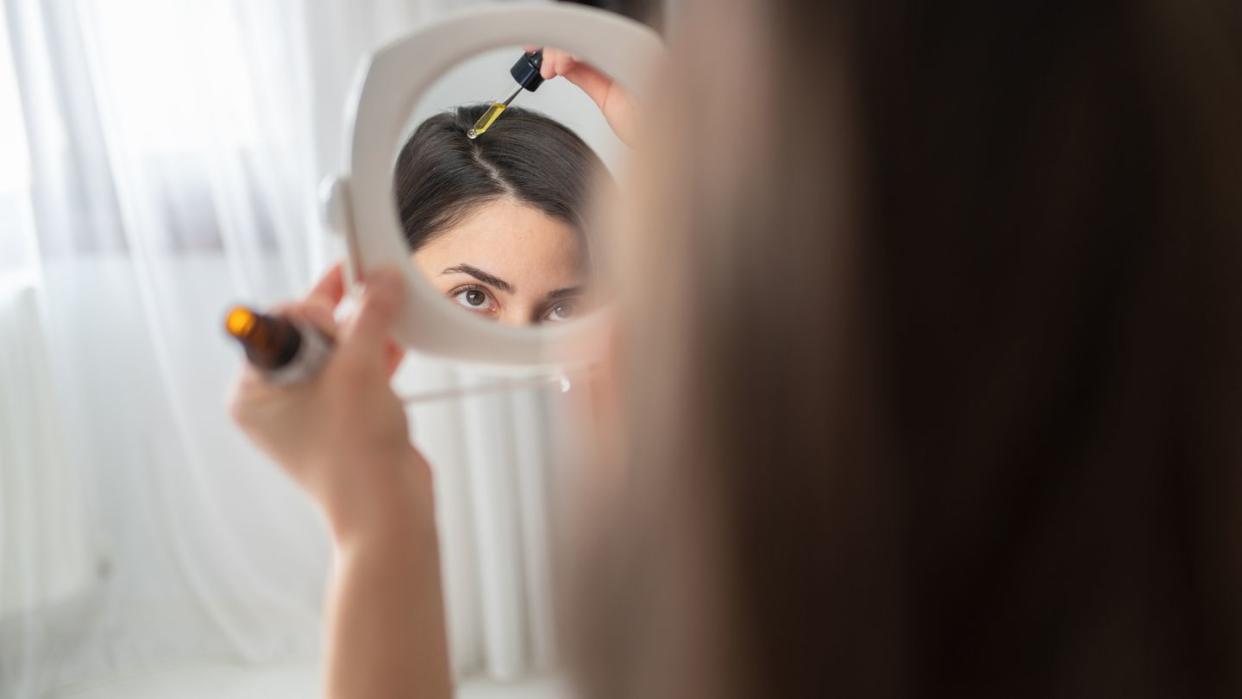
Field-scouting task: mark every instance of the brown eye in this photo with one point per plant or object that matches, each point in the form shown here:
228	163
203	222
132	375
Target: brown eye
561	311
474	299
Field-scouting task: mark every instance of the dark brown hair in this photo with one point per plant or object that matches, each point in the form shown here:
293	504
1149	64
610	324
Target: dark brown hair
441	175
946	386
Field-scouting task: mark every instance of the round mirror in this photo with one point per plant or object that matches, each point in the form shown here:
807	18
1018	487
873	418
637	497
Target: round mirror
481	148
495	196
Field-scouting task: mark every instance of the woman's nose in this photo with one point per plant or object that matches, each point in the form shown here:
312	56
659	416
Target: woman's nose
517	315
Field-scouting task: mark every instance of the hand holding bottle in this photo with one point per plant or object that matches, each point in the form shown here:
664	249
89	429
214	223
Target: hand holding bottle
342	434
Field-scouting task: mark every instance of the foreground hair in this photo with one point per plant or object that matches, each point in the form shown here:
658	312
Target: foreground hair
944	396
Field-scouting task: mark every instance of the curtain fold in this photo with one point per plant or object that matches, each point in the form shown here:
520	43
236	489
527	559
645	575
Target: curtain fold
160	161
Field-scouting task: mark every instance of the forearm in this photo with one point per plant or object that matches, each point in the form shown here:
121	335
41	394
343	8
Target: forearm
386	628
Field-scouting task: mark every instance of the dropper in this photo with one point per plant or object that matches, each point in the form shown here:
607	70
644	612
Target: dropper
526	73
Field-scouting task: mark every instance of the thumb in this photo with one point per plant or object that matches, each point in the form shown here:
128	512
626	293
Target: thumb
367	336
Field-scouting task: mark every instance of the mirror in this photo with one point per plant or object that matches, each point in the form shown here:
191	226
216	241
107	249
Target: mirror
495	185
494	234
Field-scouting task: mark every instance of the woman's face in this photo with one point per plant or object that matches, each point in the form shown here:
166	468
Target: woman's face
509	262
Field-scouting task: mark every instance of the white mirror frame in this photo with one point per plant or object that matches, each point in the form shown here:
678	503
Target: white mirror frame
360	205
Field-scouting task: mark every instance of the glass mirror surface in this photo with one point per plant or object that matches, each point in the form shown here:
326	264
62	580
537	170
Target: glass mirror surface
495	184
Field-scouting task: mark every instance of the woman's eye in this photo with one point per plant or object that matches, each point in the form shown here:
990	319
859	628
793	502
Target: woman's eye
474	299
561	311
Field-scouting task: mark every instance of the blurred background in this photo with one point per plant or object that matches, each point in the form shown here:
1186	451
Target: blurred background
159	160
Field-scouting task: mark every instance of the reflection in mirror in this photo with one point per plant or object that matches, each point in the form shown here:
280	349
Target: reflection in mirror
498	224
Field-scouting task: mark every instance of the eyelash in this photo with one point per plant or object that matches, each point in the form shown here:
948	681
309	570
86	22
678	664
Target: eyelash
568	301
457	291
493	305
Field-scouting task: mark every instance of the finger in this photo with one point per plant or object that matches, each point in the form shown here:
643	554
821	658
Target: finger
321	318
565	63
249	387
591	81
555	62
546	69
370	329
394	354
330	288
612	99
318	316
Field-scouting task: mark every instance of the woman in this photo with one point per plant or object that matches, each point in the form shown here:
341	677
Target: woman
496	224
942	396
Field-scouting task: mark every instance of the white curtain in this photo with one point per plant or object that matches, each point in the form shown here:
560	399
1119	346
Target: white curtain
158	161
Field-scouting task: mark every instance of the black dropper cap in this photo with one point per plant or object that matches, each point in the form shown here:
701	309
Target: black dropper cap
526	70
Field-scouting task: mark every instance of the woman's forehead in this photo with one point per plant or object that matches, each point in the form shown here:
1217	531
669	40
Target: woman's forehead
510	240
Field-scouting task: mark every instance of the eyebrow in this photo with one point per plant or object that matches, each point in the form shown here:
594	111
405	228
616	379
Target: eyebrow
481	276
563	293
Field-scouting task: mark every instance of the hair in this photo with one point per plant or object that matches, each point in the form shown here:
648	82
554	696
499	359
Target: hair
442	175
945	390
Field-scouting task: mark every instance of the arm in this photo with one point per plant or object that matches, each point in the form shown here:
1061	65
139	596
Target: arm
344	438
386	635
